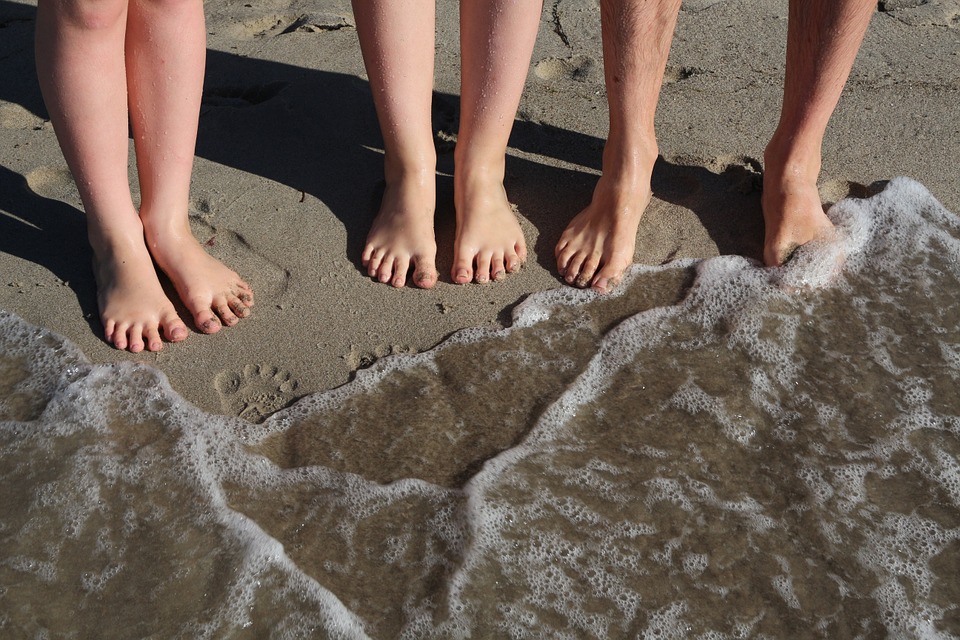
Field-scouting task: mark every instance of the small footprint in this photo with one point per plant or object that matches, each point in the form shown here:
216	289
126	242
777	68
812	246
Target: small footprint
231	248
674	74
256	392
315	22
259	26
577	68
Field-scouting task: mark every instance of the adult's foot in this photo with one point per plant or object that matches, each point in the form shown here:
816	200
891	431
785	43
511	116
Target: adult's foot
401	236
489	243
792	212
598	244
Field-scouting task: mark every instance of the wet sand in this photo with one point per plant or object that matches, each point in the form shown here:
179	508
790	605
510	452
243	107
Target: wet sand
288	174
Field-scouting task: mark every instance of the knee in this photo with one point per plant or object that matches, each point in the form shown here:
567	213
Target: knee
93	15
171	6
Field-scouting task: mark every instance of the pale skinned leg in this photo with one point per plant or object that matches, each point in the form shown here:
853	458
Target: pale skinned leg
598	244
82	72
496	42
822	43
398	46
166	47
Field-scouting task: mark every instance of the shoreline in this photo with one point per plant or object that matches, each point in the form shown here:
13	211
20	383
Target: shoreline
288	166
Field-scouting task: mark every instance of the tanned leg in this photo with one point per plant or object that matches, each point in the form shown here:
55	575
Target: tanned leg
822	42
597	246
397	38
496	42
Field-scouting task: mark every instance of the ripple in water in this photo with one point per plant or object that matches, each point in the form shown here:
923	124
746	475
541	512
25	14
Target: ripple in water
720	450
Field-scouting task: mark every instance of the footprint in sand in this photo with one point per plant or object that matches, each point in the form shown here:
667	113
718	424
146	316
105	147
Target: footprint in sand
317	22
276	24
743	173
577	68
923	13
256	392
674	74
229	247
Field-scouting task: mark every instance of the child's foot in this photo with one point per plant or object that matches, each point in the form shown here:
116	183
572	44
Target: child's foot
214	294
133	307
402	234
792	212
598	244
489	242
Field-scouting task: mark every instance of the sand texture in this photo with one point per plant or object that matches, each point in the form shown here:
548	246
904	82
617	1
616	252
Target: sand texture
288	174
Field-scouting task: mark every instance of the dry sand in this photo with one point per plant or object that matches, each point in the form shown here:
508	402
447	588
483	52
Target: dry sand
289	165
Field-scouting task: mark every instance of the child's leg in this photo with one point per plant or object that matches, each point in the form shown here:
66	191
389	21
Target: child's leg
80	64
165	49
823	37
496	42
397	43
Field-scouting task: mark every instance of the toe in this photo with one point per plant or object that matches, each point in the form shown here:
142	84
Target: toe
173	327
238	307
462	271
425	275
385	272
498	270
482	273
207	322
135	338
607	279
222	308
400	268
154	343
571	270
587	270
118	336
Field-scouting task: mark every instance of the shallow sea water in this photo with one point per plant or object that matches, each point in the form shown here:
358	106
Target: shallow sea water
718	451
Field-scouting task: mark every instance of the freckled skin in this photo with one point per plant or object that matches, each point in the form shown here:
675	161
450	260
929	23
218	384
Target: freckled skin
822	42
93	58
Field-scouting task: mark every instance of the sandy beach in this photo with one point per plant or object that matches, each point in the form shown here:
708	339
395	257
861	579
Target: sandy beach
289	165
717	450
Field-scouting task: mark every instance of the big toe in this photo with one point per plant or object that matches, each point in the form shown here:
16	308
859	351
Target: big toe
425	273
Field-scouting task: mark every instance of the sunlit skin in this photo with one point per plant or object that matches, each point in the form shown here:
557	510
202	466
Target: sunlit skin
496	42
102	64
822	42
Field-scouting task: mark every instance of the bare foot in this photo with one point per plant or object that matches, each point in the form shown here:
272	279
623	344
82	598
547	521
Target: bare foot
402	234
133	307
489	242
214	294
597	246
792	212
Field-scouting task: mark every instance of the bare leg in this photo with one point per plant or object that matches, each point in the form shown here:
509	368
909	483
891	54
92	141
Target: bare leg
822	42
80	65
397	43
165	48
598	244
496	42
